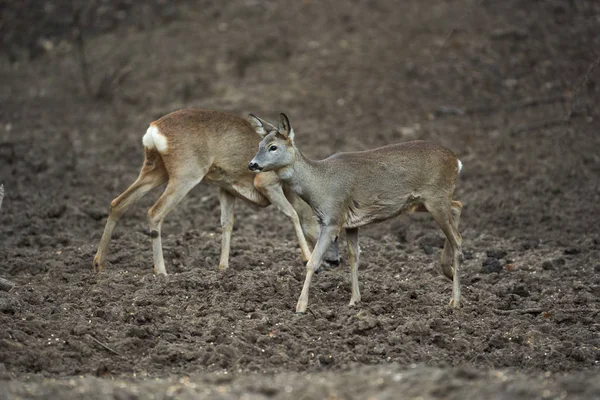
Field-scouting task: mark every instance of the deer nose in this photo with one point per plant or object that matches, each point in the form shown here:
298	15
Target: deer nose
254	166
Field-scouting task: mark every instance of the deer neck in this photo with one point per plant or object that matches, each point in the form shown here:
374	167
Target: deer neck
301	176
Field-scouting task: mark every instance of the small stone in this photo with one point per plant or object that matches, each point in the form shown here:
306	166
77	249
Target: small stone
428	250
559	262
325	360
529	245
490	265
432	240
496	253
248	307
547	265
521	290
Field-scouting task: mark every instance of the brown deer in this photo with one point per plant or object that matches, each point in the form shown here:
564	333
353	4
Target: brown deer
188	146
350	190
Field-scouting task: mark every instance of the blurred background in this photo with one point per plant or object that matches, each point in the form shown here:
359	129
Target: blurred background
81	80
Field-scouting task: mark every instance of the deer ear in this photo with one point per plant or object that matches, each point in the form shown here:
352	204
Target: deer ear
262	127
285	128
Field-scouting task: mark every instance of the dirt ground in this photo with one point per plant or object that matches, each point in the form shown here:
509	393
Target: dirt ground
490	80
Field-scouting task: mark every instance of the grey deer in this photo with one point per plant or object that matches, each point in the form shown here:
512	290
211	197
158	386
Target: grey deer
188	146
350	190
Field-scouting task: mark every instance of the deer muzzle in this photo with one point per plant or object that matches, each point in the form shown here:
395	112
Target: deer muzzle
253	166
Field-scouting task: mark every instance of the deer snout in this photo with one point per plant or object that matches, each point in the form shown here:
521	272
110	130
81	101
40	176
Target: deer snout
253	166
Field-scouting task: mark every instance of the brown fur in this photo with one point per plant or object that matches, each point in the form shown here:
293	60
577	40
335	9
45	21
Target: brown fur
215	148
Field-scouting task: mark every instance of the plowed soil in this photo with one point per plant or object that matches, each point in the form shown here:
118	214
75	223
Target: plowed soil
509	86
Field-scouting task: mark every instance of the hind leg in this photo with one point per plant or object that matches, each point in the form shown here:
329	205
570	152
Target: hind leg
447	255
176	190
442	213
153	174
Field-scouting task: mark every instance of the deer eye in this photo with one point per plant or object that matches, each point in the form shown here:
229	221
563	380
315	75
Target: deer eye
273	148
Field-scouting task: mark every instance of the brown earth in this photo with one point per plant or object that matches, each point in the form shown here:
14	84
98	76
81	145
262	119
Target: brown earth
351	76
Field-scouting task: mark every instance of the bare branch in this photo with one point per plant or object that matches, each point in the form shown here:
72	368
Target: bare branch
80	46
454	30
487	109
570	111
106	347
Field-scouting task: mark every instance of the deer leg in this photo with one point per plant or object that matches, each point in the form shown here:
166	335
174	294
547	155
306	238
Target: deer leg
447	255
442	213
146	181
176	190
353	255
227	201
274	192
310	227
326	237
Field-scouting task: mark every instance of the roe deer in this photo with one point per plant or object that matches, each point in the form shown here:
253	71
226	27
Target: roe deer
350	190
188	146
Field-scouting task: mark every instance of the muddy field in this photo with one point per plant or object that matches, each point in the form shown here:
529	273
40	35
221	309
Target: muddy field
509	86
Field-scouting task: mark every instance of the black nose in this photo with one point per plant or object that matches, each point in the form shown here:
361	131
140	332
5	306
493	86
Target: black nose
254	167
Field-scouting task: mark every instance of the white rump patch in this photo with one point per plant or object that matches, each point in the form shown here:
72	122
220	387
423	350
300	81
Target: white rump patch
154	139
459	165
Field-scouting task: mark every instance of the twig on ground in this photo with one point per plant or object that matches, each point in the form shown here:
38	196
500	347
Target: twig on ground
534	126
548	310
106	347
454	30
517	105
5	284
1	195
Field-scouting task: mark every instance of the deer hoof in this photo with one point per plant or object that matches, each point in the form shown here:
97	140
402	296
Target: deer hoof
99	266
332	263
353	303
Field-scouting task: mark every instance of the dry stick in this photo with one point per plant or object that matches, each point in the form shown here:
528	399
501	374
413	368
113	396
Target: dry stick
80	45
541	310
106	347
1	195
486	109
6	285
453	31
567	118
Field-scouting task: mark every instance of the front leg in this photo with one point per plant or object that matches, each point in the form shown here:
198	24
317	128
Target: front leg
270	186
326	237
353	255
227	202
